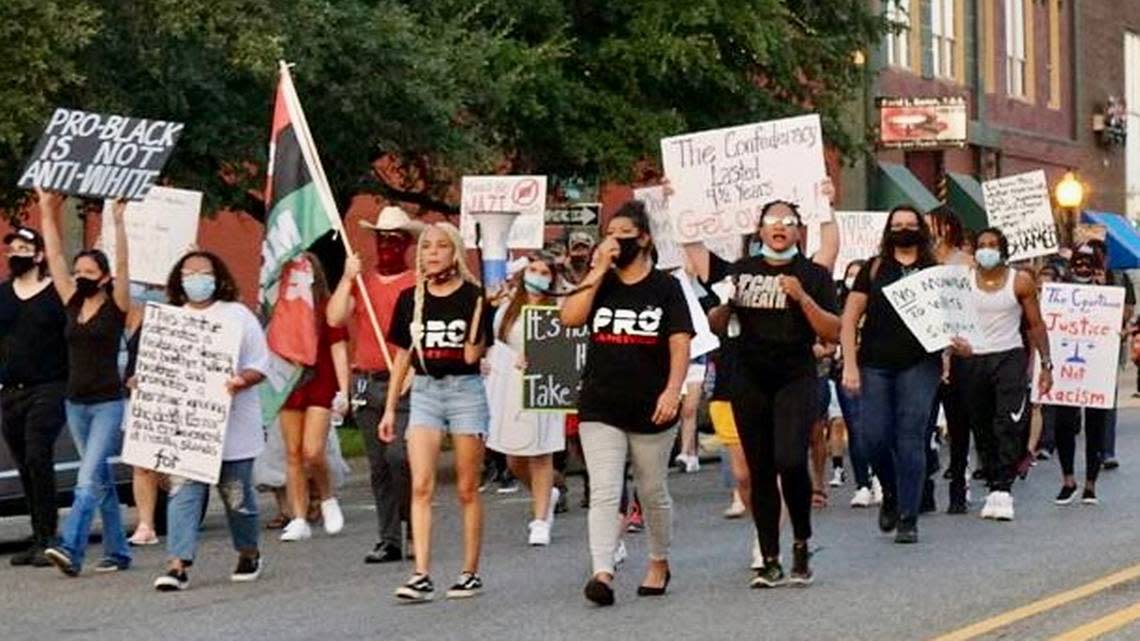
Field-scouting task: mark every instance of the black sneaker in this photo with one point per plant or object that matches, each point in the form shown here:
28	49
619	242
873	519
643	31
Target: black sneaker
62	560
928	504
889	514
907	530
31	557
1111	463
599	592
466	586
958	504
1066	495
383	553
172	581
1088	497
769	576
418	589
107	566
801	574
248	569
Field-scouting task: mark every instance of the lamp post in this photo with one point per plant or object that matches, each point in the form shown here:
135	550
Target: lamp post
1070	193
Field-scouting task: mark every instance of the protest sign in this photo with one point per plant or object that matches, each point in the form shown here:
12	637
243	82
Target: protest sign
860	233
936	305
704	340
1083	322
100	155
555	356
721	178
176	418
1020	207
160	229
523	194
657	206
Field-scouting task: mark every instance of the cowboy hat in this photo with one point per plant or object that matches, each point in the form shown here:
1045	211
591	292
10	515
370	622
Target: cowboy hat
394	219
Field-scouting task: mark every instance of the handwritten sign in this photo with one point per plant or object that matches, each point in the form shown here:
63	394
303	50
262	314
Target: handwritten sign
860	233
936	305
160	229
176	419
555	356
1083	322
100	155
723	177
524	194
1019	206
657	206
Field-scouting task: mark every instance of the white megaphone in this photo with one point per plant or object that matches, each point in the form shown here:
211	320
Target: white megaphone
492	228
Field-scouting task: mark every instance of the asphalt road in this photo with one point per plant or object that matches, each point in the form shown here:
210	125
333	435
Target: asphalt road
964	571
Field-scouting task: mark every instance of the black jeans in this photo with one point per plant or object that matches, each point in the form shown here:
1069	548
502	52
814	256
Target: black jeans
957	423
1068	425
774	420
998	410
33	417
388	462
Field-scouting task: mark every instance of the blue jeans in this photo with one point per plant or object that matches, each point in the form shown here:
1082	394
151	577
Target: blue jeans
851	408
96	430
896	413
184	510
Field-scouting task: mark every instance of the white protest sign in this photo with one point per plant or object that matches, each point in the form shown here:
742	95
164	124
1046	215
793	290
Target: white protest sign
936	305
705	340
524	194
860	233
722	178
176	418
160	229
1019	206
657	206
1083	322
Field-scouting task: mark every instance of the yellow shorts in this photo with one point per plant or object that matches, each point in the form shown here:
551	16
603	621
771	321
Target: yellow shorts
724	423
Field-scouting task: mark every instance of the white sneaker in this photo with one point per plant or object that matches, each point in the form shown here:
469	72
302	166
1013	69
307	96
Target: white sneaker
990	506
737	509
539	533
1003	506
555	494
838	477
620	554
331	515
689	462
757	555
297	530
862	498
876	491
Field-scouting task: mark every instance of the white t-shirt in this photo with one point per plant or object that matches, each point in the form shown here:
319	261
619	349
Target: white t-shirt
245	437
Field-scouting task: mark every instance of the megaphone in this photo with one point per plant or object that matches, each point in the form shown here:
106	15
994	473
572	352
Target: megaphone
492	228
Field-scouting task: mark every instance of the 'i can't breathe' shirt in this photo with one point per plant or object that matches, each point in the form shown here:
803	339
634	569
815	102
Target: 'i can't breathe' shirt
446	321
627	361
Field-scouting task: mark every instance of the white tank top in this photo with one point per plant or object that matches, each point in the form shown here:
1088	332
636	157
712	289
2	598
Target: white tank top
999	316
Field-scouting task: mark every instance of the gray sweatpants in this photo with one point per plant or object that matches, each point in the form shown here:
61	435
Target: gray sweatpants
391	478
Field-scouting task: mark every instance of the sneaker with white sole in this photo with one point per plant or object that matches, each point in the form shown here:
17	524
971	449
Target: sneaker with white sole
466	586
688	463
737	509
539	533
757	555
332	516
838	477
297	530
247	570
555	494
418	589
620	554
876	491
862	498
989	507
172	581
1002	509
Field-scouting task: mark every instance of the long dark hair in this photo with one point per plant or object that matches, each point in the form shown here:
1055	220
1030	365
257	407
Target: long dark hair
225	287
925	248
101	261
514	308
634	211
948	225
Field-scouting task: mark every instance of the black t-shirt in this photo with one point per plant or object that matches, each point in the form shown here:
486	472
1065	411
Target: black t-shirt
93	352
885	341
775	335
724	362
445	330
627	361
34	348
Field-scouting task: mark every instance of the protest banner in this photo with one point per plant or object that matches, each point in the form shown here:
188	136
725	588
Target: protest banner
100	155
860	233
722	178
555	356
936	305
523	194
176	418
657	207
1019	206
1083	322
160	229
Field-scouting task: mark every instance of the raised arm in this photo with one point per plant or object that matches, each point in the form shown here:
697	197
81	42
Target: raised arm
340	303
698	258
828	250
122	289
51	206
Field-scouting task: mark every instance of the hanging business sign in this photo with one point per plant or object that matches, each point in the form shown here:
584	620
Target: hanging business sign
920	123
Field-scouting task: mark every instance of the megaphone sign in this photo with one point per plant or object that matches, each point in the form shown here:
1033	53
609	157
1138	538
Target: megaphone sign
524	196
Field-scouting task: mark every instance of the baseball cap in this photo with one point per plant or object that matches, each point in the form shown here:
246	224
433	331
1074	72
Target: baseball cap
26	233
581	238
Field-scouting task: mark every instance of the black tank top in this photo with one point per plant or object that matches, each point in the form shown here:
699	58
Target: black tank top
93	352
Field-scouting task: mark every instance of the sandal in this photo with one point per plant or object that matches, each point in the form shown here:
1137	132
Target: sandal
277	523
818	499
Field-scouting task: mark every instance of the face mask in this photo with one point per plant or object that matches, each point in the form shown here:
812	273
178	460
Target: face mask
906	238
199	288
987	257
787	254
536	283
755	248
849	282
629	250
20	265
1082	278
390	257
86	287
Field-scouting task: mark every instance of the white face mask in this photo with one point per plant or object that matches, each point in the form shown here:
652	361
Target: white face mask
849	282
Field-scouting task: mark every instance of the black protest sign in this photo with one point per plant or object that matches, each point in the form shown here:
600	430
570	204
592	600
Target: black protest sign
100	155
555	357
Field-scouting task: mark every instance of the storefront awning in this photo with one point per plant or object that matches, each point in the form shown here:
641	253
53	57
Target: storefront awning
1123	240
964	194
898	186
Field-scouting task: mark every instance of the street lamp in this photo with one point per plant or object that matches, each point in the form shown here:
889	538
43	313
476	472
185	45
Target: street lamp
1070	193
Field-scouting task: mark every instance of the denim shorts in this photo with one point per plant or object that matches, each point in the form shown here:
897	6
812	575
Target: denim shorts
452	404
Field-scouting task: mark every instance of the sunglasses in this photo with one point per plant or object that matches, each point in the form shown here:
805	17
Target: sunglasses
786	221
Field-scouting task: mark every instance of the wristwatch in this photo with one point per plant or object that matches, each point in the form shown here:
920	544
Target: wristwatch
1047	364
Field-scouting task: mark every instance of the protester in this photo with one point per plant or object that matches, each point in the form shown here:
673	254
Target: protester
630	394
201	282
868	492
581	247
441	328
388	462
145	482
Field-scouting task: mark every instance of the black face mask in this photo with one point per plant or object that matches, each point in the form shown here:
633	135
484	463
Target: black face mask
906	238
578	263
629	250
20	265
87	287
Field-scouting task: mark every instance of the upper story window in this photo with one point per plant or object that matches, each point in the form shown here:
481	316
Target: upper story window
898	43
943	43
1015	58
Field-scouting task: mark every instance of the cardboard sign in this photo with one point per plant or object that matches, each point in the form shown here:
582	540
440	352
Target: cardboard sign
657	206
177	415
100	155
161	228
704	340
936	305
722	178
1083	322
555	356
524	194
1019	206
860	233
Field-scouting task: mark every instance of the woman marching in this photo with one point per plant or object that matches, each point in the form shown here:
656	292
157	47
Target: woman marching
96	314
441	328
528	439
630	395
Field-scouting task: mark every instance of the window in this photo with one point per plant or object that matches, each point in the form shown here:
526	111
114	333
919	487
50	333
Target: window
898	43
1015	58
942	25
1132	136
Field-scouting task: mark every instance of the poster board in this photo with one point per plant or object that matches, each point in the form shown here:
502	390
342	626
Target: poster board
860	233
524	194
1019	206
555	357
161	228
1083	323
936	305
669	253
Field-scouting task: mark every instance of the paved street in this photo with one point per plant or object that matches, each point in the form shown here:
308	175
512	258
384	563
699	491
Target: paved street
964	570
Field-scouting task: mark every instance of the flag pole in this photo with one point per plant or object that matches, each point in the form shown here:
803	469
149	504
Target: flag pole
313	160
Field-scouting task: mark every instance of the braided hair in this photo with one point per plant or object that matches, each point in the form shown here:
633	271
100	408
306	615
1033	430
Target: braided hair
460	266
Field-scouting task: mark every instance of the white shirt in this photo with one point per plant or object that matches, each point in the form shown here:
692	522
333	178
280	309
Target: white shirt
245	437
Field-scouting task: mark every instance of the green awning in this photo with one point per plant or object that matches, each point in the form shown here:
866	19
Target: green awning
898	186
964	194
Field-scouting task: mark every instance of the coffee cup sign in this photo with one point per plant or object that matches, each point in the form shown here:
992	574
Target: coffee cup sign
94	155
523	194
1083	323
1019	206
